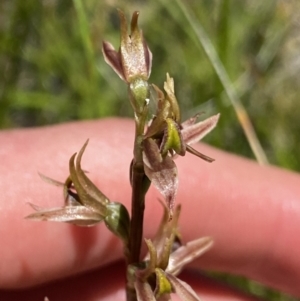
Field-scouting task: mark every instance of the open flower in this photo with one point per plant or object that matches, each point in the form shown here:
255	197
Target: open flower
165	260
166	136
134	58
132	62
85	204
166	127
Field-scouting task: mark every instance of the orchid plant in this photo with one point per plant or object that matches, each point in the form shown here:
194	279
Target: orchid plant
158	140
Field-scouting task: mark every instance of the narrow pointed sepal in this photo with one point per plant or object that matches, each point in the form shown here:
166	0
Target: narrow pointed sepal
77	215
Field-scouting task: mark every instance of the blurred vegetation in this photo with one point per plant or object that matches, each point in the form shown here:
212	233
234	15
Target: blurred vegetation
52	68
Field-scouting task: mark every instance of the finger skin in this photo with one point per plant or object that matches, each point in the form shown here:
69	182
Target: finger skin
252	212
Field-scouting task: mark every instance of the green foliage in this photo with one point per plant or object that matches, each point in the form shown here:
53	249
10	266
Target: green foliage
52	68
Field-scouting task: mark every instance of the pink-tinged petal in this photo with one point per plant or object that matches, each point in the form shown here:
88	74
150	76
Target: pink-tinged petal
166	182
162	172
143	291
187	253
195	132
182	289
113	59
78	215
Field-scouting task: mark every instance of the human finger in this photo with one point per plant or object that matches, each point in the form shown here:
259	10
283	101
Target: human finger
250	211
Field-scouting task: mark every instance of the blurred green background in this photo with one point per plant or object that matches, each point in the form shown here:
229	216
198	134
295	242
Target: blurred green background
52	69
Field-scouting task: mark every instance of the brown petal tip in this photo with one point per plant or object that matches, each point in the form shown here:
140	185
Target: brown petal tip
134	21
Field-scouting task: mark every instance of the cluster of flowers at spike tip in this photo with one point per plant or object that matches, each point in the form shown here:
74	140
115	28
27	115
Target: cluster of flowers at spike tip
166	136
85	204
157	278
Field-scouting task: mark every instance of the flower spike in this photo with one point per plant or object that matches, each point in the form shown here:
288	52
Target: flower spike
154	150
